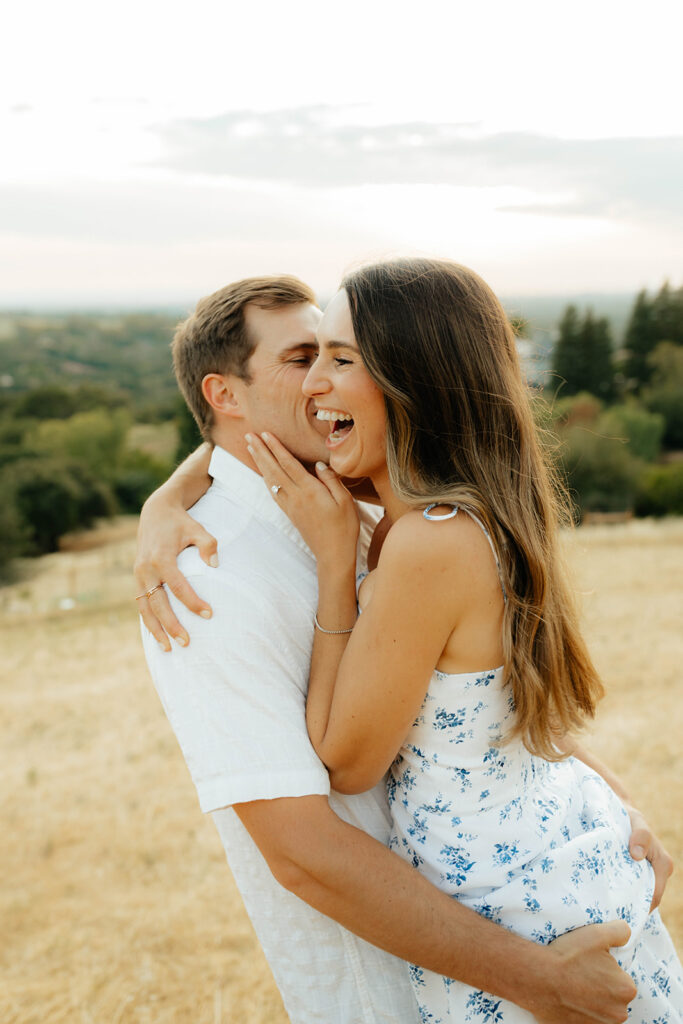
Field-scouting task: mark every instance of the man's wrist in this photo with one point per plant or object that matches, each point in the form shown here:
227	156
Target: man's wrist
534	983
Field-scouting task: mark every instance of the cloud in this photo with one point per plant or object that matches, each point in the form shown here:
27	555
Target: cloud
169	212
622	178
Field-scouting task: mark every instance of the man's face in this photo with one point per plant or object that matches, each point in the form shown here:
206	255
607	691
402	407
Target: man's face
285	348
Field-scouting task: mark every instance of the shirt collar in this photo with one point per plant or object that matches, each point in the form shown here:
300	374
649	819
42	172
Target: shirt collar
249	488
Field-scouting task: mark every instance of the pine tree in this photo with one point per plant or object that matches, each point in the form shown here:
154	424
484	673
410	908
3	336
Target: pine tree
596	350
582	358
565	352
667	312
639	341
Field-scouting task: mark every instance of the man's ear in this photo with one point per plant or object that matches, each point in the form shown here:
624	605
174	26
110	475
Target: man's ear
222	394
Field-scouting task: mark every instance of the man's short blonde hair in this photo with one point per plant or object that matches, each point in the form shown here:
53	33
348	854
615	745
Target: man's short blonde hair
215	339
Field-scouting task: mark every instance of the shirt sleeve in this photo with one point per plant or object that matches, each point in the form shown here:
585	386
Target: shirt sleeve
236	695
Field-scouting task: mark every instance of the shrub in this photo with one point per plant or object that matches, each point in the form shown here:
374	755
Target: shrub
13	531
52	497
601	474
661	491
137	475
642	430
582	409
95	439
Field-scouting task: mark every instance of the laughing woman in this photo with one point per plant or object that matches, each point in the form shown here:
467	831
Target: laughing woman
465	676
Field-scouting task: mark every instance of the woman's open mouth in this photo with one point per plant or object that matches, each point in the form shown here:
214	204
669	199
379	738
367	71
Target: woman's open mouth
341	425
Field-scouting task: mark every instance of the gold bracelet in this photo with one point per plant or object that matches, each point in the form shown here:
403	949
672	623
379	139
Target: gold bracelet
330	632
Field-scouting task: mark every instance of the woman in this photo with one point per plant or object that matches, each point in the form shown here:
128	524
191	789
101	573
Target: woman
465	675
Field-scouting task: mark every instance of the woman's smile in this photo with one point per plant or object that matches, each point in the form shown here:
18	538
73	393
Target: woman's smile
341	425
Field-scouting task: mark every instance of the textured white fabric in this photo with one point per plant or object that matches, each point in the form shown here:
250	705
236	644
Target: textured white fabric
235	698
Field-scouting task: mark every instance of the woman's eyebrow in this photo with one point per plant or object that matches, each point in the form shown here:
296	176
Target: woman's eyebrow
341	344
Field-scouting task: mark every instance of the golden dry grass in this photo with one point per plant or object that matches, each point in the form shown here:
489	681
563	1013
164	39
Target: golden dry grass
117	905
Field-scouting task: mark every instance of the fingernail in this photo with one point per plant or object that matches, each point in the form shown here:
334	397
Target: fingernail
213	561
250	449
248	438
320	466
163	647
266	437
181	641
638	852
205	613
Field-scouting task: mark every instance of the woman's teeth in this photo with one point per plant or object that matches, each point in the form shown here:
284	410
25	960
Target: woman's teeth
342	423
329	414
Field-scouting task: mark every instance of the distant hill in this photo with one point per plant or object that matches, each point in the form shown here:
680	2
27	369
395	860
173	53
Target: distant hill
545	311
129	351
123	351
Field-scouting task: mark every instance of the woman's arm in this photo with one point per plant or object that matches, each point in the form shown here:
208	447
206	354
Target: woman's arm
384	671
165	530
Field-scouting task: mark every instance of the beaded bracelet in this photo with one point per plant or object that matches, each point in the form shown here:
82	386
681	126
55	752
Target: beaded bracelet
330	632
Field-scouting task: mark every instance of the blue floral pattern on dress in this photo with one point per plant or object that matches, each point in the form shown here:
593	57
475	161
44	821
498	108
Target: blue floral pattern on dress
537	846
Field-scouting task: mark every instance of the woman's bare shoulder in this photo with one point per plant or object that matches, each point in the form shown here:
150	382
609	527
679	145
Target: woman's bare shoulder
418	540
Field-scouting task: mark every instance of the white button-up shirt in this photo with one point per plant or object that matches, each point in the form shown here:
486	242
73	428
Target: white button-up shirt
235	698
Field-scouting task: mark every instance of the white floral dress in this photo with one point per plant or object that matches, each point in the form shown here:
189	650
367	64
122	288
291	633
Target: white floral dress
539	847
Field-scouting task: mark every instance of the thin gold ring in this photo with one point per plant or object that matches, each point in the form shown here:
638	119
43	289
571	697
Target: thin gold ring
148	593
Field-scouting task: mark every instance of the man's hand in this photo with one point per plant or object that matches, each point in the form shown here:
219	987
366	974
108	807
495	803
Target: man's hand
165	530
645	844
591	988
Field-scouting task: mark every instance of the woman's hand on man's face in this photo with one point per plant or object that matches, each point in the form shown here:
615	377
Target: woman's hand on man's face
320	506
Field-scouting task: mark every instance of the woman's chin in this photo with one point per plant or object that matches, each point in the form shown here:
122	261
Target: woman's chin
344	467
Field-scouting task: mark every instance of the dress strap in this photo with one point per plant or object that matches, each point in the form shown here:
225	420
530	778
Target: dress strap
451	515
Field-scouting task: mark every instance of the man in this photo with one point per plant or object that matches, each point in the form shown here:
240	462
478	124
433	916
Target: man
325	895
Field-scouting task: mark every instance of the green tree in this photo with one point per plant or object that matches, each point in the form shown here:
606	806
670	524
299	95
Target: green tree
53	496
639	341
667	312
50	402
565	351
582	357
664	395
94	439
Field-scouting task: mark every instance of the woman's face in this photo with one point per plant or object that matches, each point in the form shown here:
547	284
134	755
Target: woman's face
346	396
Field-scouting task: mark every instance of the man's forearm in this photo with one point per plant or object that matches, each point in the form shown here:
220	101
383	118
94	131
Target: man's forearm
349	876
189	481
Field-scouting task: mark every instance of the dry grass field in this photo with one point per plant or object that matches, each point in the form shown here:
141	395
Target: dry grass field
117	906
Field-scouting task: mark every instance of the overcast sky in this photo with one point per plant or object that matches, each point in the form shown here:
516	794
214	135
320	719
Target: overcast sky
151	152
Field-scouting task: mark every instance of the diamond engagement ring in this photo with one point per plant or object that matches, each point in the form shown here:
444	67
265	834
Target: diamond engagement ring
275	488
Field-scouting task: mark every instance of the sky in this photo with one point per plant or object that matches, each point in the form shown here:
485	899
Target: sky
153	153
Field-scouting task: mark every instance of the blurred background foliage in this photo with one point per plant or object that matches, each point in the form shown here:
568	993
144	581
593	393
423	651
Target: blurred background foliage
91	420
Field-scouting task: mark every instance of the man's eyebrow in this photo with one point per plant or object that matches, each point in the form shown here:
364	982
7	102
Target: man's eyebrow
298	346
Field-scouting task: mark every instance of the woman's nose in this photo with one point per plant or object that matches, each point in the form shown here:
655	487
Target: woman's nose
315	382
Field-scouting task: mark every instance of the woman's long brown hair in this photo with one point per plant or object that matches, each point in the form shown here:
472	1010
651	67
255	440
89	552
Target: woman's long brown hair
438	344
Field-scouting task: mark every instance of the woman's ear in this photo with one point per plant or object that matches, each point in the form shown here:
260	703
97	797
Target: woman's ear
222	395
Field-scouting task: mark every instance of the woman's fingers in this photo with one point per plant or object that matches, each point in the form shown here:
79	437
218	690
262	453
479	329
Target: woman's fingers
645	844
287	462
266	463
333	483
